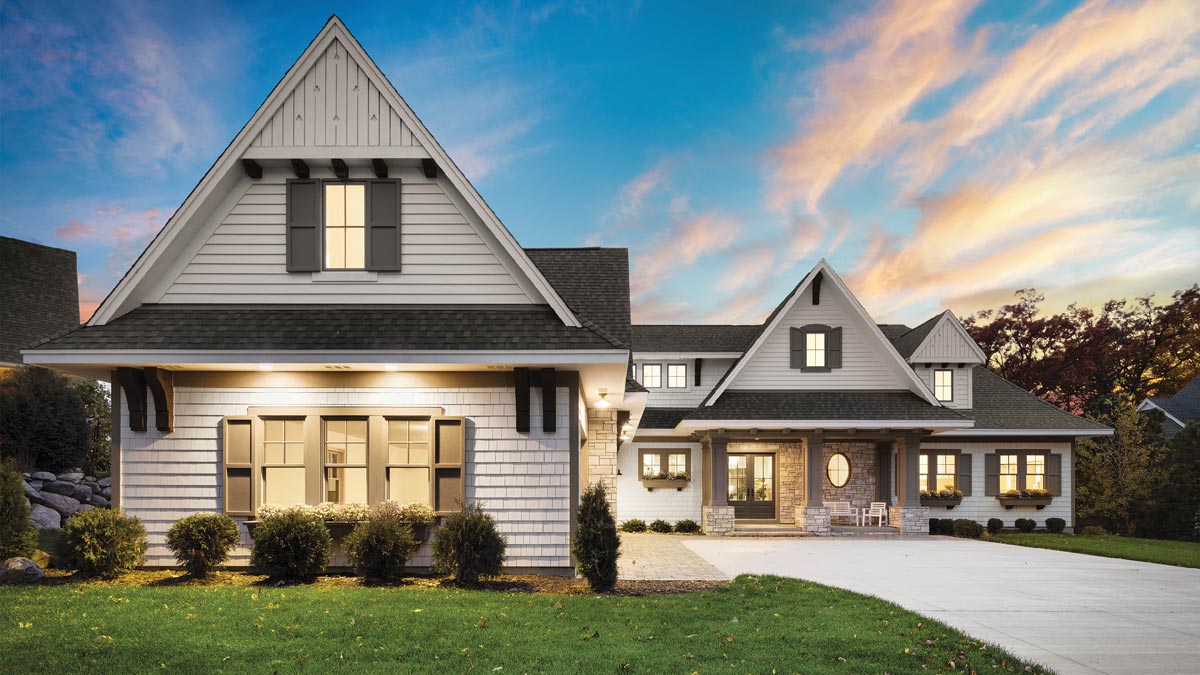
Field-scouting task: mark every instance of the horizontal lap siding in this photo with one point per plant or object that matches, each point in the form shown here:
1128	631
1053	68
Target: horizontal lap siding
443	257
522	479
635	501
711	371
980	507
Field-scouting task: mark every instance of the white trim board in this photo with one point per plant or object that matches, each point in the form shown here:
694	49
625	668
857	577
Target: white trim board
956	325
1029	432
801	425
1147	404
321	356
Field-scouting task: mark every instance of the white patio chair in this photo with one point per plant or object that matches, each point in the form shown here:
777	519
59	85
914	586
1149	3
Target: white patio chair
878	511
842	510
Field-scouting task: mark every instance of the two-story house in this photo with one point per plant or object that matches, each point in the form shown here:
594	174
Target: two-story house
334	314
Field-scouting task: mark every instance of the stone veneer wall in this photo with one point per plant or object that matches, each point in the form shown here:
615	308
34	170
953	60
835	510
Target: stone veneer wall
602	442
860	489
524	480
716	520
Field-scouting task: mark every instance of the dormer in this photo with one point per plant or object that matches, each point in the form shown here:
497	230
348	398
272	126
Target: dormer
943	355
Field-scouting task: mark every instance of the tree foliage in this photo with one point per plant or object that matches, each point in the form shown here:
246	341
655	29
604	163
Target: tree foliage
97	408
596	545
43	420
17	537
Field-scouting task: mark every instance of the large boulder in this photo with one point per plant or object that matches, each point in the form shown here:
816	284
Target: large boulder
73	476
98	501
44	517
20	569
106	492
82	493
104	482
63	504
32	494
84	507
89	479
37	484
42	475
60	487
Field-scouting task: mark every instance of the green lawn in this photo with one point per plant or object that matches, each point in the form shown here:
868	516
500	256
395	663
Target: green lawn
754	625
1180	553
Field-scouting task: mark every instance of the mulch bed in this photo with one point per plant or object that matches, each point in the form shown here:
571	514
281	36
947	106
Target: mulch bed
505	583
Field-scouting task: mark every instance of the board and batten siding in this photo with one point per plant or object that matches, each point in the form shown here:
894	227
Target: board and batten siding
711	372
865	362
523	480
444	257
980	507
962	384
945	344
335	104
635	501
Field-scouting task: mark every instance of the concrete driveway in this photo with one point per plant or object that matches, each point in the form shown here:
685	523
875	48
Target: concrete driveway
1074	613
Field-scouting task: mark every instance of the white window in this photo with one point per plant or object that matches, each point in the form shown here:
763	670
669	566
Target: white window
677	463
283	461
1008	473
345	444
345	226
652	375
814	347
1035	472
408	461
943	385
676	375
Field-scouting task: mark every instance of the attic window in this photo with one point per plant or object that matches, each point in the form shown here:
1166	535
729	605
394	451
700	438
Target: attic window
345	226
943	385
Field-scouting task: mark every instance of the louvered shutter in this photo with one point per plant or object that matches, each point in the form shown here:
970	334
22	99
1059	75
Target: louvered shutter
833	348
798	353
383	225
963	466
1054	474
991	474
238	457
303	225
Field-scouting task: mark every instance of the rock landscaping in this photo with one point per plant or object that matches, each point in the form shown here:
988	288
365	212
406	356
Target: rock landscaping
53	499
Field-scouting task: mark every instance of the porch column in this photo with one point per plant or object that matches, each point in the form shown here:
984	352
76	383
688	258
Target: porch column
908	515
717	515
814	517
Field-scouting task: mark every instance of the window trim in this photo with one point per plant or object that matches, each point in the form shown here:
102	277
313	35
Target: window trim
366	225
1022	470
685	375
660	374
663	460
950	386
326	466
849	470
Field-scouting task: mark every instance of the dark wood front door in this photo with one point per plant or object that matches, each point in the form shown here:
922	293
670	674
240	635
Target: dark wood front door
752	486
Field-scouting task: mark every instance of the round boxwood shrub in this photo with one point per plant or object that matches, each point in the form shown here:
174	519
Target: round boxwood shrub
687	526
1026	524
103	543
596	545
633	525
661	526
1055	525
202	541
941	526
17	537
291	545
995	525
967	528
468	546
379	548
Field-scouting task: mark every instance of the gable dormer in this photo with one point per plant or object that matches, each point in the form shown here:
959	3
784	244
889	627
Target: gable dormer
943	355
821	339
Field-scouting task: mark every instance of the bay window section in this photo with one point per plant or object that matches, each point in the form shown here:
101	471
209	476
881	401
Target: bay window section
283	462
408	461
345	442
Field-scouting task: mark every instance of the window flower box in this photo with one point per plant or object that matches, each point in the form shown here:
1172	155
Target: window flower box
340	519
666	479
941	498
1036	498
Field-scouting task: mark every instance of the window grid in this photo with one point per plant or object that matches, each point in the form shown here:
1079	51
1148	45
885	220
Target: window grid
283	467
677	462
652	376
676	375
409	452
923	475
1008	473
345	226
946	472
943	385
345	452
814	346
1035	472
838	470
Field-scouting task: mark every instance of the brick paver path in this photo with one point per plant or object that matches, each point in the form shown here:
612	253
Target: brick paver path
662	557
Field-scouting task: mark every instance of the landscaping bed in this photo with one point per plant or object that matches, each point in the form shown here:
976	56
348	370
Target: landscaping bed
1178	553
754	624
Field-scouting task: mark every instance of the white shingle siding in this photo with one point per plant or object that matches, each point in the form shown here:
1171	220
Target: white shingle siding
711	371
523	479
635	501
980	507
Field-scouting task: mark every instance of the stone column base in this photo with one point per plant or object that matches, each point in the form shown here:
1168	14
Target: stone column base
716	520
814	519
909	519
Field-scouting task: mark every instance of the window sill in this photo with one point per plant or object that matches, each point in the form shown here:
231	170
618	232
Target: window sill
344	276
1010	502
948	502
664	483
815	369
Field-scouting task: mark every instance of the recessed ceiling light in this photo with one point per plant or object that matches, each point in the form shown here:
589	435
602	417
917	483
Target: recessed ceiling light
392	367
264	366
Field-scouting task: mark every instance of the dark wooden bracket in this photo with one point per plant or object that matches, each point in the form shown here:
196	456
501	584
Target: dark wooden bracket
549	400
252	168
133	385
300	168
162	391
521	385
340	169
816	286
430	167
381	169
699	365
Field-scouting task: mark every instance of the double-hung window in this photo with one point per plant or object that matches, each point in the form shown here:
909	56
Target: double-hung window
1035	472
946	476
408	461
944	470
665	463
1008	472
345	226
943	385
814	348
923	476
676	375
283	461
652	375
345	445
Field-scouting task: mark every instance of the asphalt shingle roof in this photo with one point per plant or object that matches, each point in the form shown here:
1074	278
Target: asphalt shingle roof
594	282
202	327
662	418
907	343
1000	404
822	405
1181	408
693	338
40	295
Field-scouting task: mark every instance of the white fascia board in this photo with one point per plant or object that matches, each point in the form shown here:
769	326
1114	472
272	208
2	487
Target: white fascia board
948	316
800	425
1029	432
1148	404
679	356
250	356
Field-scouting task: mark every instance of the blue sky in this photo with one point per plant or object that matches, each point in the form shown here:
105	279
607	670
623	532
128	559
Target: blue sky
938	153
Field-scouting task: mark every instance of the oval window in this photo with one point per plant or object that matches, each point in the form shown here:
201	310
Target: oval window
838	470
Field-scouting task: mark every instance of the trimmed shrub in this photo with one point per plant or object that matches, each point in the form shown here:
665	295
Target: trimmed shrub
995	525
202	541
103	543
1055	525
967	528
468	545
596	545
687	526
941	526
380	547
633	525
17	537
291	545
1026	524
661	526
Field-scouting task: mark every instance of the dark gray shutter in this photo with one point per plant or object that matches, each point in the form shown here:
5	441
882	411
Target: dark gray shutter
991	474
963	465
238	456
833	348
798	354
304	225
383	225
1054	474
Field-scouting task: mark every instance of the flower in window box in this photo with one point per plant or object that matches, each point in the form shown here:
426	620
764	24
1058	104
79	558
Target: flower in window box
679	475
946	493
417	514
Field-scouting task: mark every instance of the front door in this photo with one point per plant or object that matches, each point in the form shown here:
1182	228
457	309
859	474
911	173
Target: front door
752	486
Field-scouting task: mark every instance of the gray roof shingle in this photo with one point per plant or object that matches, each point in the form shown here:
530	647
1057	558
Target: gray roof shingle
490	327
906	343
40	294
662	418
693	338
823	405
1000	404
1183	409
594	282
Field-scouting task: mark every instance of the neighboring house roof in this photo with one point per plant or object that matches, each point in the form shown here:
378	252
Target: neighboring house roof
1183	407
662	418
823	405
39	295
235	327
908	342
1000	404
693	338
594	282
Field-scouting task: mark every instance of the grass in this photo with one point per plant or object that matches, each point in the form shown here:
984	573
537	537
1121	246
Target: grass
753	625
1178	553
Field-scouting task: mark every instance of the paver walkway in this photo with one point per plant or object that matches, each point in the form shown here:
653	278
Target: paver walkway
662	557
